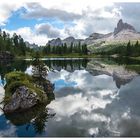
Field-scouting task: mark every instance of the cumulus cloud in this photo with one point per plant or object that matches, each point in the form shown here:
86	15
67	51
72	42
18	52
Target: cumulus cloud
35	10
99	20
30	35
48	30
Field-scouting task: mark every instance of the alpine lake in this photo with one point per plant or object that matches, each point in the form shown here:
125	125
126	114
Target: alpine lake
94	97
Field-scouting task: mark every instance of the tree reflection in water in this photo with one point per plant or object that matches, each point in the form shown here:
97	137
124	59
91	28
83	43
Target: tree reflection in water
39	122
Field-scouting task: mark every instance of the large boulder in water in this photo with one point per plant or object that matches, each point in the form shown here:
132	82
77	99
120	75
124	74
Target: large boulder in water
22	99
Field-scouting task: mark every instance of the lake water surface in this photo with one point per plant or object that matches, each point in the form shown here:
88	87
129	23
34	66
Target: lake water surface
90	101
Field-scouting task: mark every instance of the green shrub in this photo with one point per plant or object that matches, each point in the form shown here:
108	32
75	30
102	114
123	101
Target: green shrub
17	76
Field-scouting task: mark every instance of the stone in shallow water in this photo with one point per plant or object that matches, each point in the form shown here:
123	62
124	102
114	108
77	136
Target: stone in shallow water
22	99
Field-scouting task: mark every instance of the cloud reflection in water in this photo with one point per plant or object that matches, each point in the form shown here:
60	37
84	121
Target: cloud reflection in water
94	106
76	110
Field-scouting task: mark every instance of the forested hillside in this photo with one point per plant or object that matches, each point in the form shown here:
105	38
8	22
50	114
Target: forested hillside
80	49
15	44
127	49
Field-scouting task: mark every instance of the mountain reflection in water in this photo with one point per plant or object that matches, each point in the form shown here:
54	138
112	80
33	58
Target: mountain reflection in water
87	104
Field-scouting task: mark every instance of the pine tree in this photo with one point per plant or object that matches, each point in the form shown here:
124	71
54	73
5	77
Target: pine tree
39	70
65	48
71	48
128	49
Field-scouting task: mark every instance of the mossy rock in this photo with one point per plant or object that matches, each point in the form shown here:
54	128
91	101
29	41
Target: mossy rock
17	79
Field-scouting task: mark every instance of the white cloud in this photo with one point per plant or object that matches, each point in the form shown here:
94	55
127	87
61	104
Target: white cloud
5	12
35	10
47	29
29	35
86	17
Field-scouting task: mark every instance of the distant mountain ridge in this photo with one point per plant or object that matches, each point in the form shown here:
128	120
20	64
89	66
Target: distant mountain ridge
67	41
122	32
31	45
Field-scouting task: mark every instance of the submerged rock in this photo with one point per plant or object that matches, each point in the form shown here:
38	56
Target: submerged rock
21	99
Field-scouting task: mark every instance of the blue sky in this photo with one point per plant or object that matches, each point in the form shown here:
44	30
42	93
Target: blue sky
16	21
38	21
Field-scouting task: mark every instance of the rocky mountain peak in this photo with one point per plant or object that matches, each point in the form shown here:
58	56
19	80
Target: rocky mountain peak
70	39
55	42
123	26
67	41
96	35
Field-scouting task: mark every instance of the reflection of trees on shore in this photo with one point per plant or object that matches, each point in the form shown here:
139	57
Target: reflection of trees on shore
21	65
67	64
40	120
8	66
123	60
